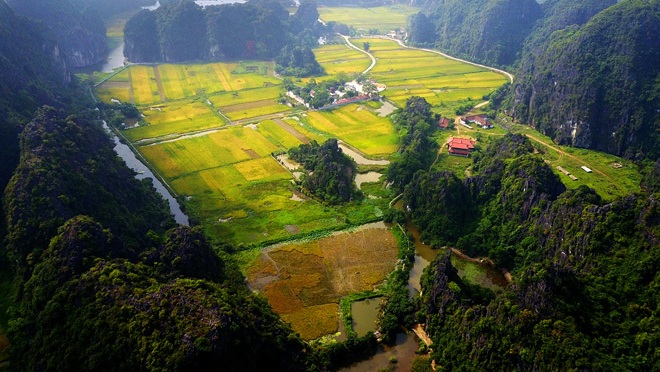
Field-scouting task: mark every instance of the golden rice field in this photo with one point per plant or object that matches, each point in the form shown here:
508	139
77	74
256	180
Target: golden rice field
382	18
443	82
175	117
357	125
166	82
304	281
340	58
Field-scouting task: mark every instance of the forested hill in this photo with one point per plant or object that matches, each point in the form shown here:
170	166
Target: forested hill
32	72
586	287
597	86
488	31
183	31
101	284
80	32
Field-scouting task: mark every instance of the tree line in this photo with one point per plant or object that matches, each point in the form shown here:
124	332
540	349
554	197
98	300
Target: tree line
183	31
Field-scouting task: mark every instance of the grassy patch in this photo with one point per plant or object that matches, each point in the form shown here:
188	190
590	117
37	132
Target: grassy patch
612	177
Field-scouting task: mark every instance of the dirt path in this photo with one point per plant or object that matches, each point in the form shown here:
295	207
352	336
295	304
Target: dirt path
292	131
131	92
159	83
421	333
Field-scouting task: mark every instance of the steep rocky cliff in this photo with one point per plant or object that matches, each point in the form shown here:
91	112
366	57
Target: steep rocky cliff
32	69
488	31
80	32
597	86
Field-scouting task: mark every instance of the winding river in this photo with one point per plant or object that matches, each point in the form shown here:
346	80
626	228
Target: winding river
143	172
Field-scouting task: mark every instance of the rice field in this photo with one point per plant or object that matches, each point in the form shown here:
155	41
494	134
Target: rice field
359	126
167	82
444	83
381	18
175	118
304	281
340	58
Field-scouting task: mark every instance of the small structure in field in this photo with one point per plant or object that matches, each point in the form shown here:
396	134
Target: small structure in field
586	169
460	146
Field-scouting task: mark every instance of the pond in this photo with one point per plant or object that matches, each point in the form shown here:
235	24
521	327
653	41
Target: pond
364	314
477	271
359	159
403	351
361	178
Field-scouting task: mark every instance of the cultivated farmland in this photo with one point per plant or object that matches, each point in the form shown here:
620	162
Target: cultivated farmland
444	83
358	126
304	281
381	18
340	58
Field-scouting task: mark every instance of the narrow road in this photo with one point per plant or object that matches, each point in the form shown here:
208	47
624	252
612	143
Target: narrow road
507	74
564	153
373	59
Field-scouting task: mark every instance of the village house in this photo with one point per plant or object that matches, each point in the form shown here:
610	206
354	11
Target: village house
460	146
481	120
443	123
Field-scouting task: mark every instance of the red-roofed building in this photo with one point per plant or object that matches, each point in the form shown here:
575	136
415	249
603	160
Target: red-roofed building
460	146
443	123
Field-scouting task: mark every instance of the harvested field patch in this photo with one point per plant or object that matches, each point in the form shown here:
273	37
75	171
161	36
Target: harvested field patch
318	273
251	153
314	321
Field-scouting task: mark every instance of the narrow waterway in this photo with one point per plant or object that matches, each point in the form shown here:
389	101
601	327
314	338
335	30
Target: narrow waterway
143	172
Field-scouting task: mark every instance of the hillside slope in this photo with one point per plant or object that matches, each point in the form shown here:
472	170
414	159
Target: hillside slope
598	86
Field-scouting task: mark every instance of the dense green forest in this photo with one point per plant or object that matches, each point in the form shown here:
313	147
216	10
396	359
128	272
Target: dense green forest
613	105
183	31
79	30
330	173
586	71
104	280
415	124
489	31
585	291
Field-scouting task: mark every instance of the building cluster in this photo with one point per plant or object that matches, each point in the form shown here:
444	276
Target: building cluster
460	146
481	120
